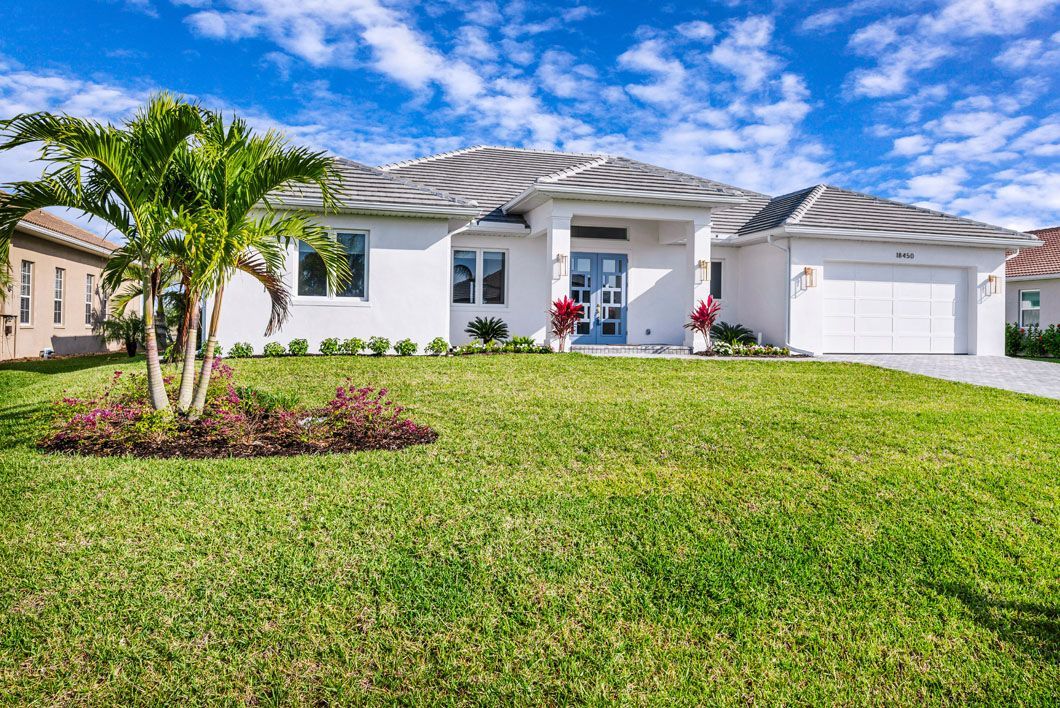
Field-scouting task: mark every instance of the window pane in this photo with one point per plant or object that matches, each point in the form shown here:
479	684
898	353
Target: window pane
464	277
493	277
25	292
90	290
312	277
1030	317
57	309
1030	299
715	279
356	247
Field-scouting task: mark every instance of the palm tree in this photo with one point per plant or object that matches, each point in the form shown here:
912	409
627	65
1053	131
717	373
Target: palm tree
127	329
229	178
119	174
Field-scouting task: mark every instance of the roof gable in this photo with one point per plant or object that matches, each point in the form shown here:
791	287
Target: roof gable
60	226
1043	260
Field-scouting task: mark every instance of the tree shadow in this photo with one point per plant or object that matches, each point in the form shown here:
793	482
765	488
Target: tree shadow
22	425
1032	627
66	365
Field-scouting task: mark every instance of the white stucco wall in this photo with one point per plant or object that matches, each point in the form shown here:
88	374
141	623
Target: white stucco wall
985	313
1050	298
761	290
408	280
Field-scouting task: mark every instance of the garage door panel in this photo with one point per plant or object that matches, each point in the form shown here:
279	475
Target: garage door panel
877	308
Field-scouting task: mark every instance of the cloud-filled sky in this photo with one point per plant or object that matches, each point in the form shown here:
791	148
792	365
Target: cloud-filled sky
951	104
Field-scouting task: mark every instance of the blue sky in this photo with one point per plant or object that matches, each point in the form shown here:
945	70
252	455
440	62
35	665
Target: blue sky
951	104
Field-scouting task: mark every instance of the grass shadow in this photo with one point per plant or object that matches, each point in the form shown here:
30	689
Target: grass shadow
68	365
19	424
1032	627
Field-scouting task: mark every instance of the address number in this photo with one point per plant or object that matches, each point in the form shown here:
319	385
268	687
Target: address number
908	255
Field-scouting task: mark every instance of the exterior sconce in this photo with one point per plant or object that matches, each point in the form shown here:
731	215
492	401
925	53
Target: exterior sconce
704	271
809	277
994	283
562	260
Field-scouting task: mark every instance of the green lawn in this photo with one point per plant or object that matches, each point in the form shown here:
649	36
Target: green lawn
584	529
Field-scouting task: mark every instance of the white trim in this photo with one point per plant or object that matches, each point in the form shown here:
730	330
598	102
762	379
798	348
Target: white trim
480	301
617	195
1020	309
1022	278
493	228
50	235
882	236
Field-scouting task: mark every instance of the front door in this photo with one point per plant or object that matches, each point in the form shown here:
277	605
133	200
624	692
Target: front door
598	282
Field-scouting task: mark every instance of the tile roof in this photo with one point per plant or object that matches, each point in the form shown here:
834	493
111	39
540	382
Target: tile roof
728	220
492	176
1043	260
371	187
827	207
64	227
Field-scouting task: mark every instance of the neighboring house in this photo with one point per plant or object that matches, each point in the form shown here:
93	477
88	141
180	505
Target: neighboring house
1033	295
503	232
55	298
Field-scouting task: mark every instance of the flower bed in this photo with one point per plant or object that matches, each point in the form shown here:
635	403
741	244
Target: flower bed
236	422
747	350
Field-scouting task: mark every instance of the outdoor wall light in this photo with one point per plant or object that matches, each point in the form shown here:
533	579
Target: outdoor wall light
704	271
562	260
995	284
809	277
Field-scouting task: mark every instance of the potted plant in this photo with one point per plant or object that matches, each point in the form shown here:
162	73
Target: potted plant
127	329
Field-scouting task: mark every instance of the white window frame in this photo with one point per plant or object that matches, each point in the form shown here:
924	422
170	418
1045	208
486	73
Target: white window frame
478	304
332	299
25	293
1023	309
90	294
58	296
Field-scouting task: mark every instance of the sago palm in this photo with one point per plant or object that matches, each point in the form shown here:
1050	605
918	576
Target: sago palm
234	222
118	174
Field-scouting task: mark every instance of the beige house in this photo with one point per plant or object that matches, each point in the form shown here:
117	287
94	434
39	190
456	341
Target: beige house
55	298
1033	290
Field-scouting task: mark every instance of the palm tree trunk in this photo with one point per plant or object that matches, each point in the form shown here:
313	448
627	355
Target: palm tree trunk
187	374
207	359
155	385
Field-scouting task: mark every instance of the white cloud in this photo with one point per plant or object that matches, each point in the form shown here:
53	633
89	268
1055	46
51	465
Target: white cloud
560	74
697	29
743	51
910	145
1023	54
668	85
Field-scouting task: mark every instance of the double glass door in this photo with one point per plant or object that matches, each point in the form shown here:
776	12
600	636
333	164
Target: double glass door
598	282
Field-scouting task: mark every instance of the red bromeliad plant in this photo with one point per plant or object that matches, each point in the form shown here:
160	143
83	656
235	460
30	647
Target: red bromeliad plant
703	317
563	317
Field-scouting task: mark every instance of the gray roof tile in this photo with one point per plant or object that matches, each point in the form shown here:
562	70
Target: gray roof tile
828	207
370	186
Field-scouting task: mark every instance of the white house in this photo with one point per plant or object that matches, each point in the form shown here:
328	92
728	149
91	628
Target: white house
503	232
1034	282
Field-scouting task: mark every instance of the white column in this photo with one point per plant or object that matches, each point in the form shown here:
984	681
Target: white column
557	251
697	248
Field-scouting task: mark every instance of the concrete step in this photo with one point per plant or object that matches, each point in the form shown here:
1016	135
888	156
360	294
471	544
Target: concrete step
632	349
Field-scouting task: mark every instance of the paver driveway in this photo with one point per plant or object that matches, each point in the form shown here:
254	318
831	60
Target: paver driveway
1041	378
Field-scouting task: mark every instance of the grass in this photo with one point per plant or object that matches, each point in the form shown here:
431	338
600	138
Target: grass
584	530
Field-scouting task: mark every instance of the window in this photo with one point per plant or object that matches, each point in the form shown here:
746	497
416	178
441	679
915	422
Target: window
715	279
615	232
1030	307
468	289
25	292
313	278
90	292
57	305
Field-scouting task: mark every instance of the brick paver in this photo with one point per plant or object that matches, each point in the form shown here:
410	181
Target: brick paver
1041	378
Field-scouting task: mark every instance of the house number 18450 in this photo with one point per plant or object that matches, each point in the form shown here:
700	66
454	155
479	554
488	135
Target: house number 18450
908	255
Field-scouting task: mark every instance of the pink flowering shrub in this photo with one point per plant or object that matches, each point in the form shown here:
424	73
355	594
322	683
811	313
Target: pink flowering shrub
236	422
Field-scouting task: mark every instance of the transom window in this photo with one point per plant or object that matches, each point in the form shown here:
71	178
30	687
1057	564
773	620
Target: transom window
715	279
57	305
90	292
615	232
469	288
25	293
313	278
1030	307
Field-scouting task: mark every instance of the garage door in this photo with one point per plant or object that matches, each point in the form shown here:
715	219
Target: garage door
871	308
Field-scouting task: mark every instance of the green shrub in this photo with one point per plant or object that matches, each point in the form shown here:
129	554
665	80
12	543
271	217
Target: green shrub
378	345
487	329
1051	340
1013	339
405	347
522	343
298	347
437	346
274	349
353	345
732	333
1032	342
329	346
726	349
241	350
218	351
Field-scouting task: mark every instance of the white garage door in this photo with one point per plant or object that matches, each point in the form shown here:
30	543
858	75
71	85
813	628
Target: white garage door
871	308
